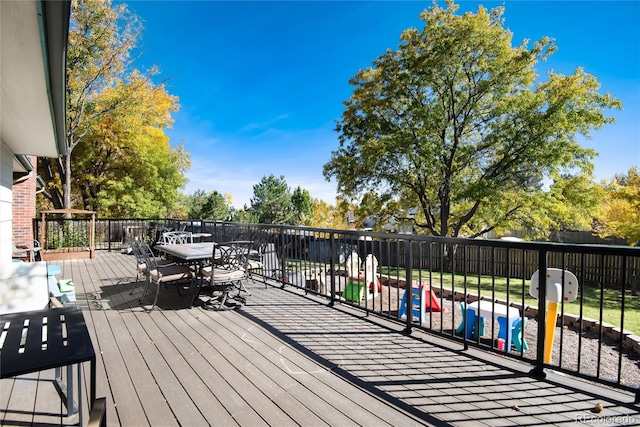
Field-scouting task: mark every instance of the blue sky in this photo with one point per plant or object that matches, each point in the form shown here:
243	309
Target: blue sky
261	84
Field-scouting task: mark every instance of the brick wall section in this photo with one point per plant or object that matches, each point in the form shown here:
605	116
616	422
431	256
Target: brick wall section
24	207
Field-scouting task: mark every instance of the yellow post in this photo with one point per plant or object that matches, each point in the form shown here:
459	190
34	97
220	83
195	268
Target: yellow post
550	322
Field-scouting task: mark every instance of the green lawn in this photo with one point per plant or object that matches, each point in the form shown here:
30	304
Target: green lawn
591	296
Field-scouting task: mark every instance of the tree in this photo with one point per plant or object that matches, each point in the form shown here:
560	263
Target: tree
619	213
455	124
271	201
326	215
302	206
244	215
126	163
118	158
211	205
574	203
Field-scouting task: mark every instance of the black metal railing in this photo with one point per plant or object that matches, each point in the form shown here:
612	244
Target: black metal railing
594	337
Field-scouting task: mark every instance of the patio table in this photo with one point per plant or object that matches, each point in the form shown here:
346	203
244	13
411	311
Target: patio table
506	317
195	253
34	341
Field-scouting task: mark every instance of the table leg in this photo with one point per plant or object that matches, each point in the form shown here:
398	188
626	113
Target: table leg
469	323
71	406
64	387
92	397
502	333
506	330
80	394
199	282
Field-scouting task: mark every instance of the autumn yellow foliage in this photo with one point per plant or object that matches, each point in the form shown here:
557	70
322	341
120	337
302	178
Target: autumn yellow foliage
619	214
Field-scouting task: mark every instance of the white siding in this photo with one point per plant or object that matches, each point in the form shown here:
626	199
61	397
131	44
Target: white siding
6	199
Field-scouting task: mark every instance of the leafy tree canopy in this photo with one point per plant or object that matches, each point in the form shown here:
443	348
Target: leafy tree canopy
302	205
326	215
127	166
274	203
245	215
271	201
119	160
619	213
211	206
456	123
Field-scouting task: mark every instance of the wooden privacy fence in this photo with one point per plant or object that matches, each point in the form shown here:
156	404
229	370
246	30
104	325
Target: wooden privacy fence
471	256
516	263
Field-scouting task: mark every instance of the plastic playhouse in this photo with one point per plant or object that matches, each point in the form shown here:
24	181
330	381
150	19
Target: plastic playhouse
361	284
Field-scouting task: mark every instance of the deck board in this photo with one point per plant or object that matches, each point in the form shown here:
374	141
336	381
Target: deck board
217	374
263	380
284	359
308	381
21	403
129	380
170	371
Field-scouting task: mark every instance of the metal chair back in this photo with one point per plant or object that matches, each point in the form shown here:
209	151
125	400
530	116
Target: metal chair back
176	238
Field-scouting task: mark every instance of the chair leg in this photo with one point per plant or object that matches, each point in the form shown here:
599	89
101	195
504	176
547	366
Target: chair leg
264	277
240	285
198	282
155	299
221	302
145	290
135	284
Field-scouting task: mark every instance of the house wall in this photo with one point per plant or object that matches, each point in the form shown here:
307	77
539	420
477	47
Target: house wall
6	198
24	207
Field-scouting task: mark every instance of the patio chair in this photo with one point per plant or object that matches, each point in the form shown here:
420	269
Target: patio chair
255	262
266	262
226	272
161	274
176	238
30	250
141	266
244	252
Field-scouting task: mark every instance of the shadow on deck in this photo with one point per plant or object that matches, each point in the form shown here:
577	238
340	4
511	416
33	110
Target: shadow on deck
288	359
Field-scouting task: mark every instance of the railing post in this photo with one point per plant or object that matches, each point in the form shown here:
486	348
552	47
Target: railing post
332	264
408	285
283	261
538	370
109	233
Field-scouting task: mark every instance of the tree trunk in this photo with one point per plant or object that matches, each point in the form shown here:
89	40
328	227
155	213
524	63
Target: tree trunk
66	181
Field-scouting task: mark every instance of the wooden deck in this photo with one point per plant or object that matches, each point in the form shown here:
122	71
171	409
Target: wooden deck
283	359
